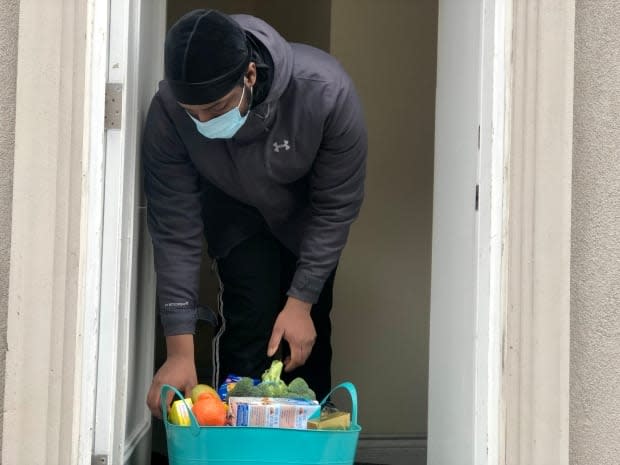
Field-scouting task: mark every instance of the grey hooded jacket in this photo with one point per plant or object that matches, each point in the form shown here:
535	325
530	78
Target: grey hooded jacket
297	167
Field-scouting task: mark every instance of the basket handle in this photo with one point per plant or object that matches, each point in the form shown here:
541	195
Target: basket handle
165	389
350	388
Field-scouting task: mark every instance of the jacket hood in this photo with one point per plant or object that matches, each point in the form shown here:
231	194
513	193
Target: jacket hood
279	49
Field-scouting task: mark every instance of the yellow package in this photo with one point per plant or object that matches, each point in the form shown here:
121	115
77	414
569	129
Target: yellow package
179	414
336	420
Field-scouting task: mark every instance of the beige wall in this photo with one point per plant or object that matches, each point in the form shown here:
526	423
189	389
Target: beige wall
8	70
177	9
45	314
381	312
595	274
297	20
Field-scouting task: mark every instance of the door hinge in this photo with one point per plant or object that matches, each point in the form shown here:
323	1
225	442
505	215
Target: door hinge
113	105
478	137
99	460
477	196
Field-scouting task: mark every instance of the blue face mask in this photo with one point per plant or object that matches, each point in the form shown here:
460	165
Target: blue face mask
224	126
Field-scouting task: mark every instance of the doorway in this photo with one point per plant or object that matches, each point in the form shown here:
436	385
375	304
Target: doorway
382	292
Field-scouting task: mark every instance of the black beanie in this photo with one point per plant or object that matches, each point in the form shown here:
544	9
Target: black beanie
205	56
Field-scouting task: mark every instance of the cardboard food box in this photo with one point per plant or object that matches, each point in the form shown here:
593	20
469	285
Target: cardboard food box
179	415
332	421
271	412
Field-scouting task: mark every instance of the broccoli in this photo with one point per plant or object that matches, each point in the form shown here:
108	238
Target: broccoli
298	388
271	384
273	372
244	388
272	389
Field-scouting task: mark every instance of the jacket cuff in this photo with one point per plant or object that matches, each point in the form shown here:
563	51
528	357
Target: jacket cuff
179	321
306	287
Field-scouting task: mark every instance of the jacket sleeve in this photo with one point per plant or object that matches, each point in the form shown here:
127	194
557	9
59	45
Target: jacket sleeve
336	193
172	189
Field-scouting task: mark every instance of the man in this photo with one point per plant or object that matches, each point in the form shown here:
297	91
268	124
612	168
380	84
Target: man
260	145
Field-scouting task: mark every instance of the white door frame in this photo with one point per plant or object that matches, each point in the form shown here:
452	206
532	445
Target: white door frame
524	276
93	211
56	232
466	312
114	305
490	220
535	273
492	216
534	414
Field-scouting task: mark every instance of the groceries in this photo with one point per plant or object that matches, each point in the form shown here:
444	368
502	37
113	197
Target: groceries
270	412
332	421
210	411
179	412
201	390
270	385
234	445
240	384
268	402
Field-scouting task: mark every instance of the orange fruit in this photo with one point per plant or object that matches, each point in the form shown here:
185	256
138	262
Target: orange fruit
200	389
208	394
210	411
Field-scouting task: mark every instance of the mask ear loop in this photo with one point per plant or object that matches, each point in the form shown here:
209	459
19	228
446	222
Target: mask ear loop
241	98
251	98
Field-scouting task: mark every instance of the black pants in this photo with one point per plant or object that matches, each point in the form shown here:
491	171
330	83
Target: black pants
254	278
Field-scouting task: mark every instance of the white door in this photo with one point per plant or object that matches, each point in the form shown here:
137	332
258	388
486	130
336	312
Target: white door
127	306
463	419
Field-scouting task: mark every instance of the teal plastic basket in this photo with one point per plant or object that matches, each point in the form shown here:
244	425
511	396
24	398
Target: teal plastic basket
234	445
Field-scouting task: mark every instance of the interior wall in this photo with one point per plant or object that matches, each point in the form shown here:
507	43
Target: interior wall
176	9
381	309
9	15
297	20
595	261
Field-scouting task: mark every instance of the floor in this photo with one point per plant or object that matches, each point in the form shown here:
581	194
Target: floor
418	459
161	460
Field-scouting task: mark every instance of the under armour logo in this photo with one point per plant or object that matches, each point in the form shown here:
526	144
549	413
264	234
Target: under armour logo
284	145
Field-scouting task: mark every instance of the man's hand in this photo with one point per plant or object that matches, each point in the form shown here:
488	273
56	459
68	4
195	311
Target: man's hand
295	325
179	370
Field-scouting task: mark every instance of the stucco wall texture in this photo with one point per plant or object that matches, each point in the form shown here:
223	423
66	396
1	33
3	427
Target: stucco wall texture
595	269
9	14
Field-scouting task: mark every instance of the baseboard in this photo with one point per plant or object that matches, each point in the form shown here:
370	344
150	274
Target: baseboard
391	450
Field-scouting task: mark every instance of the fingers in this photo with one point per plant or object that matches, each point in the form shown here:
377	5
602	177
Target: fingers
298	357
179	372
294	360
296	327
153	399
274	341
